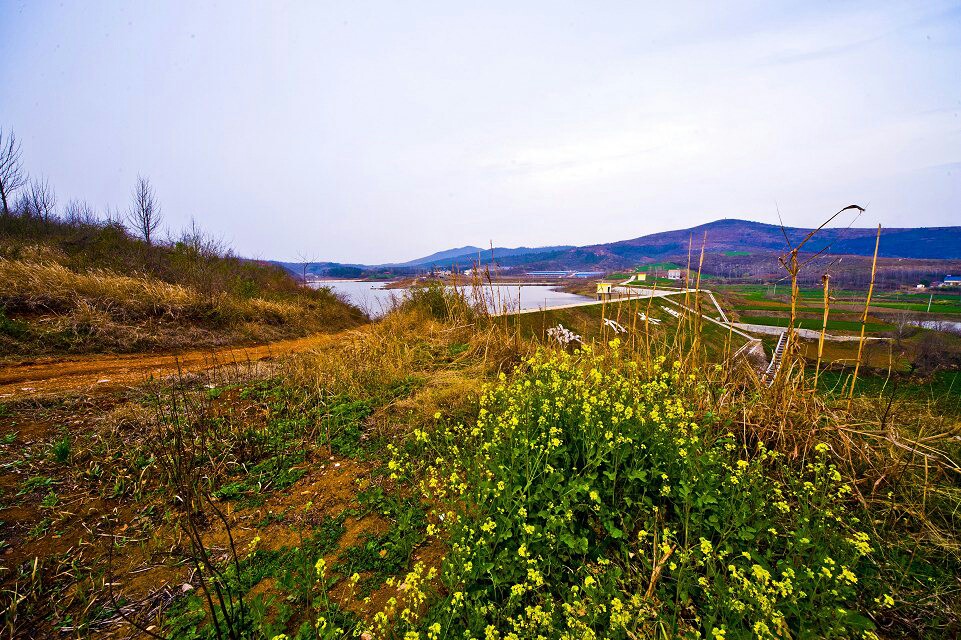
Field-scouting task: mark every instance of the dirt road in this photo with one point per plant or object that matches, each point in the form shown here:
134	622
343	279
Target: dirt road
86	373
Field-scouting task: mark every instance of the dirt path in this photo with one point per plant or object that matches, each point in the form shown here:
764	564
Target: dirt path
85	373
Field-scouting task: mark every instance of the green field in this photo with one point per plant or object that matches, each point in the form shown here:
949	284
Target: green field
813	323
761	298
942	390
660	282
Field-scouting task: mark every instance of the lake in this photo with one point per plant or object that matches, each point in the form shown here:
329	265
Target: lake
376	301
951	326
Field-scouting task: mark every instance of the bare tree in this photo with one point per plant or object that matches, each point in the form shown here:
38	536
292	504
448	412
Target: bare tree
11	169
22	205
905	325
42	198
115	217
80	212
306	258
145	215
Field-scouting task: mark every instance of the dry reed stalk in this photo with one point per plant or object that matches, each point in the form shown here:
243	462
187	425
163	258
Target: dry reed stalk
864	318
696	319
647	323
792	266
825	279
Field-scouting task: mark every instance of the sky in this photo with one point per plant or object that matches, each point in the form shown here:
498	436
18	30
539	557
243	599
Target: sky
371	132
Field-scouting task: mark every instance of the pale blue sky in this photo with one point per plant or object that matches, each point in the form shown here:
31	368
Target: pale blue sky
379	131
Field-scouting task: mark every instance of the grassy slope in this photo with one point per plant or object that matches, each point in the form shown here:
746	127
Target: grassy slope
89	288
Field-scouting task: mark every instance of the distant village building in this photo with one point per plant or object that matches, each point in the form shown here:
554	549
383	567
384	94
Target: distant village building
640	277
951	281
587	274
674	274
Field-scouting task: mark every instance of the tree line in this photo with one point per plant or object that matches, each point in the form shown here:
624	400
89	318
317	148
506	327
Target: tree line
26	196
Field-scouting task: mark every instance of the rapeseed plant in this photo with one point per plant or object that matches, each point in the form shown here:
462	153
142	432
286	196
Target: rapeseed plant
592	498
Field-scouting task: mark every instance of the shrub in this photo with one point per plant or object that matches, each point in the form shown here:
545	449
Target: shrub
438	301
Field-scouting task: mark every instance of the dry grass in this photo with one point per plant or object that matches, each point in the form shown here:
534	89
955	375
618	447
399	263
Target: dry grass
103	310
446	359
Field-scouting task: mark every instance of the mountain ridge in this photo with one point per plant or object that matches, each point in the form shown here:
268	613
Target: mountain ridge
725	236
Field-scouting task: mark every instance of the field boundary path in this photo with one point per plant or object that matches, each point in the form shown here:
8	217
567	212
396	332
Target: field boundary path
86	373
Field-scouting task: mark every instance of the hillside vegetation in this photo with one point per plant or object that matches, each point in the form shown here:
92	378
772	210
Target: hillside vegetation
90	286
438	474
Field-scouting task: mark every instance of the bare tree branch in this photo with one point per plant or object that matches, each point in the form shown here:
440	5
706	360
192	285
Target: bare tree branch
12	177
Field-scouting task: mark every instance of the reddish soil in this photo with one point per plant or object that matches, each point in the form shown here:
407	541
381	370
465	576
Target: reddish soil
29	379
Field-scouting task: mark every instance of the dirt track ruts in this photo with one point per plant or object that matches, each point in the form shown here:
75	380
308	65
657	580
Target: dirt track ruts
85	373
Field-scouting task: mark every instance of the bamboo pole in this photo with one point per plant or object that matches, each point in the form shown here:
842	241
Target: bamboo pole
864	318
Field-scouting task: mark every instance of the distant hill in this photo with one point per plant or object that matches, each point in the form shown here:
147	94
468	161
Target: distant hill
744	237
756	237
721	237
469	254
463	257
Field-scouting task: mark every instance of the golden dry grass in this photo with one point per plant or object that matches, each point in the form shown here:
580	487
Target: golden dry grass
103	310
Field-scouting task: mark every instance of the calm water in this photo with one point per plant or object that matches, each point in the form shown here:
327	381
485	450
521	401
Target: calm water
375	300
939	325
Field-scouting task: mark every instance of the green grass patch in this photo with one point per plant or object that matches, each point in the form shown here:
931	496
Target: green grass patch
387	554
942	390
16	329
815	324
289	601
273	474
